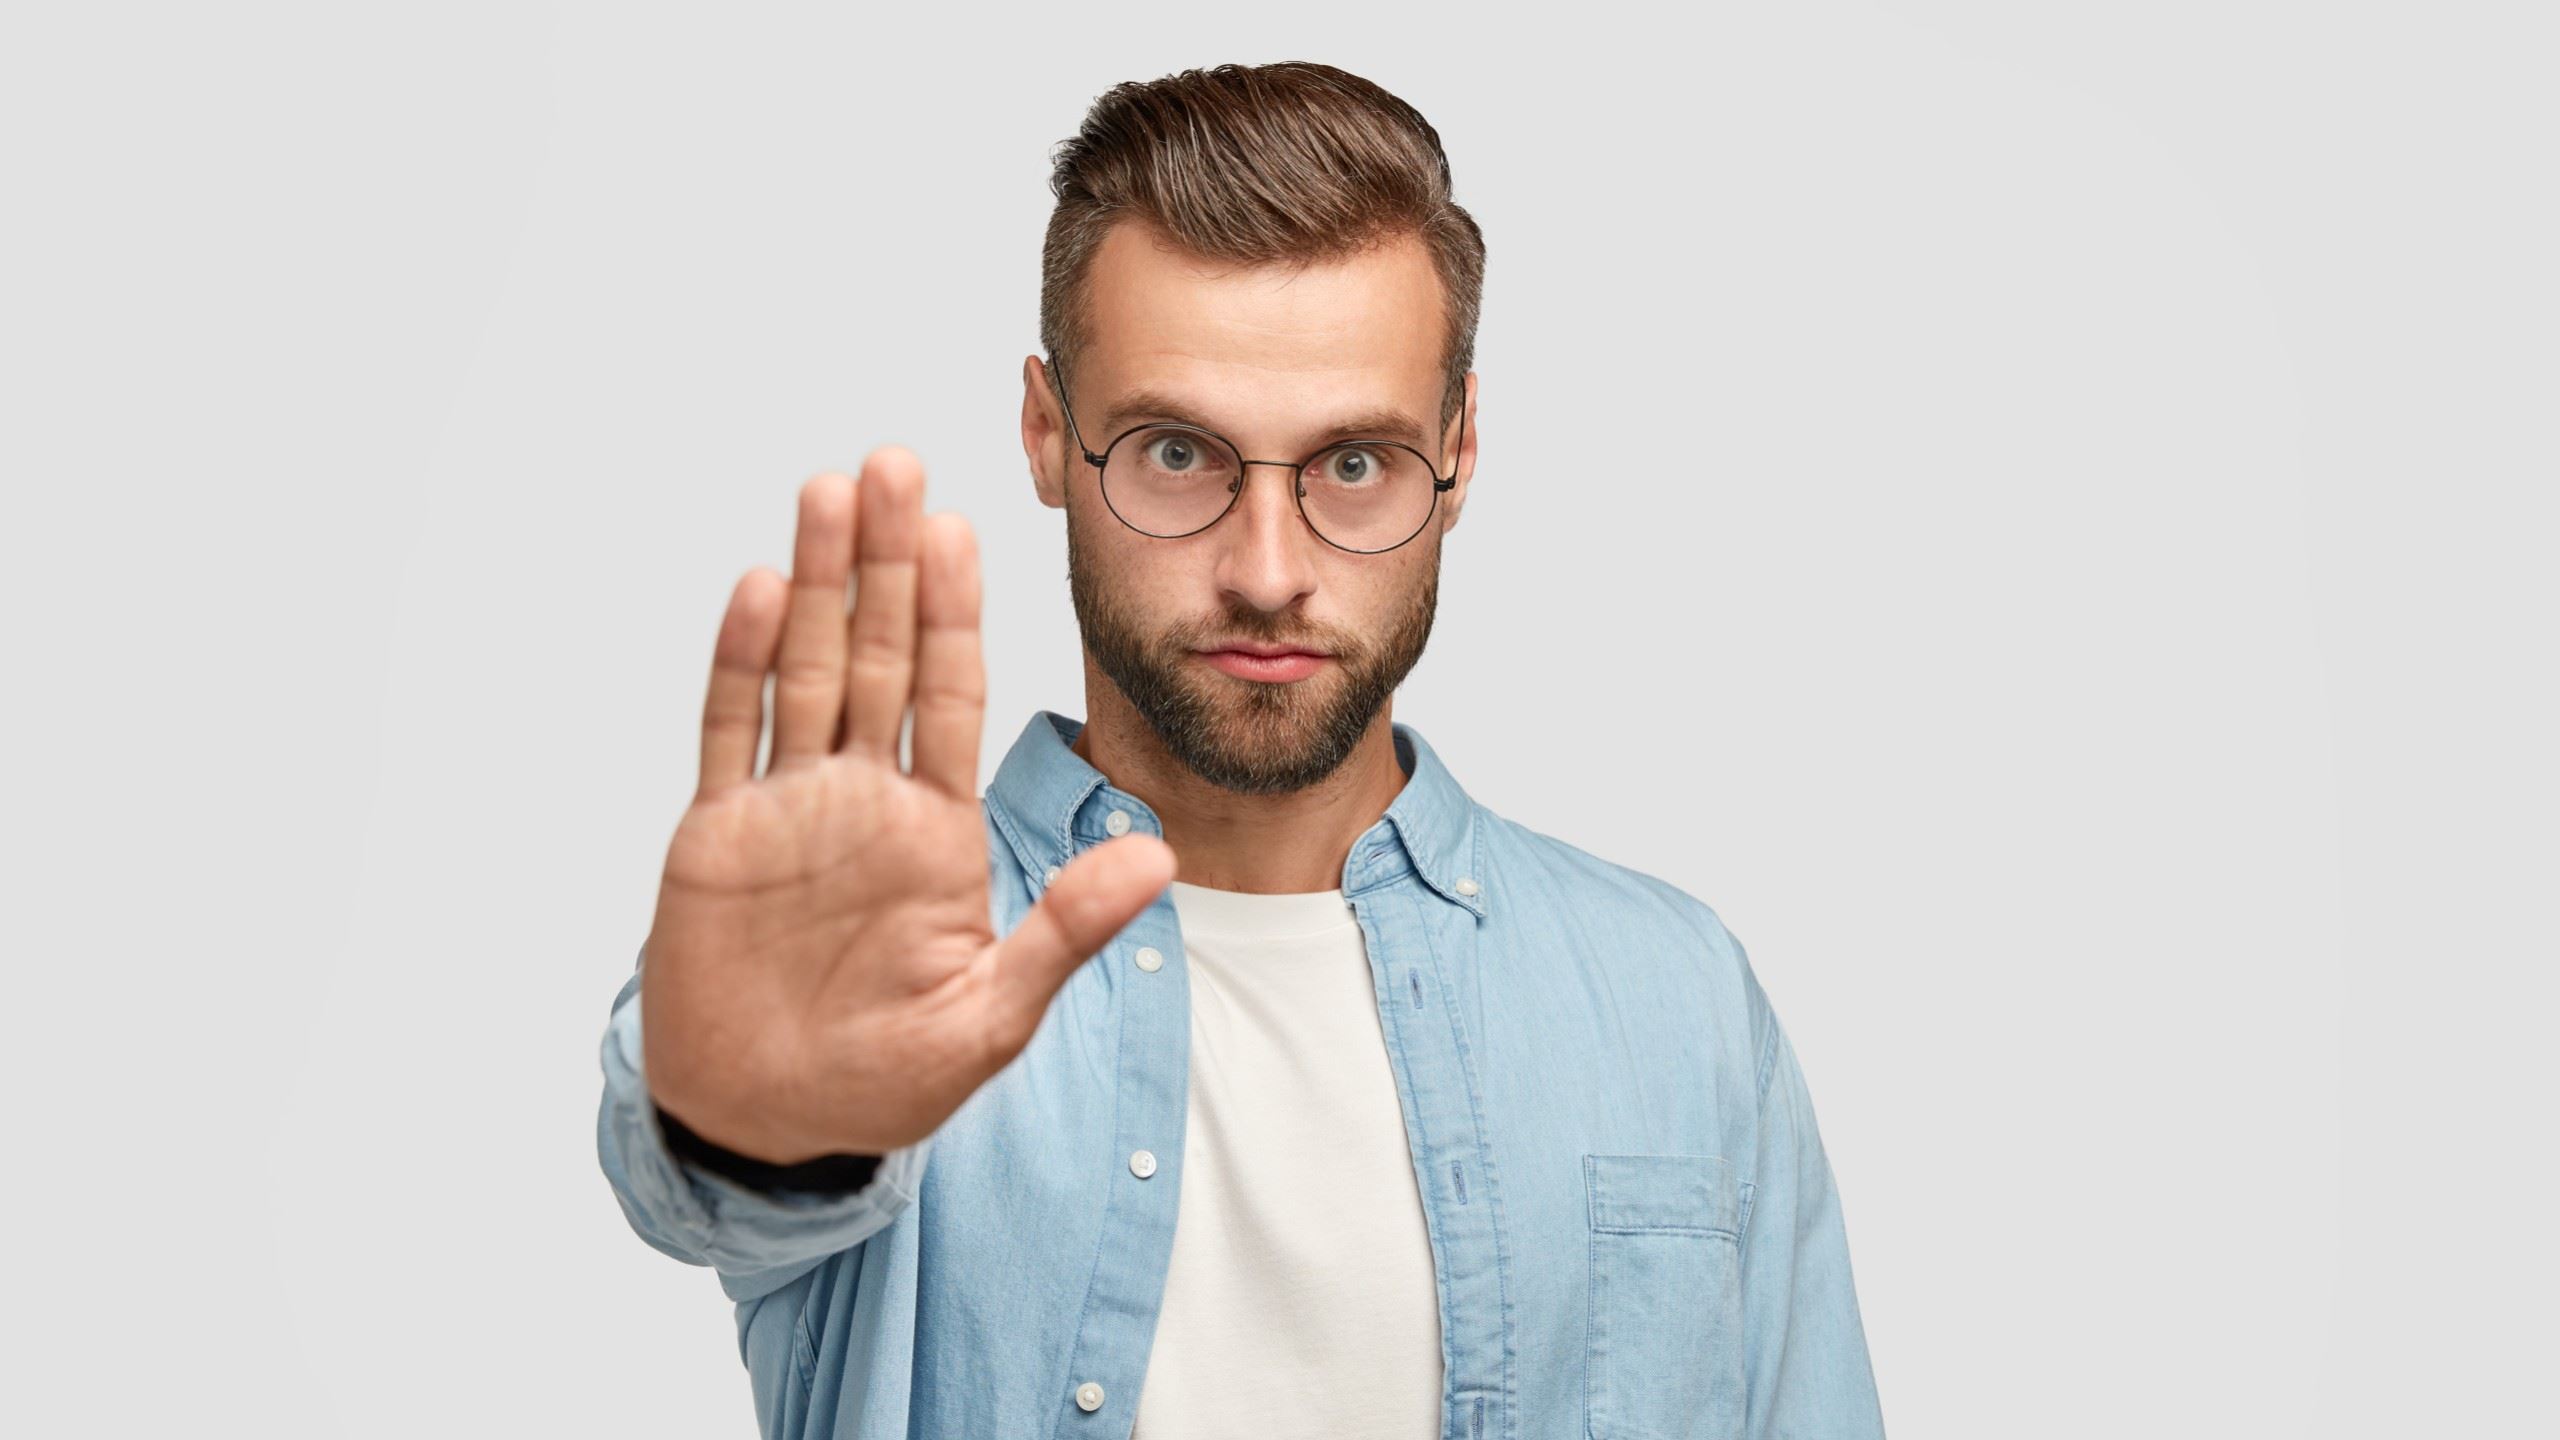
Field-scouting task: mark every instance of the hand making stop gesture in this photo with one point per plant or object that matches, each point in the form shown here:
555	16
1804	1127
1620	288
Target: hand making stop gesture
822	976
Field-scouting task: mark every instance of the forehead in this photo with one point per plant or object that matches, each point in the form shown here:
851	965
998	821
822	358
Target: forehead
1361	327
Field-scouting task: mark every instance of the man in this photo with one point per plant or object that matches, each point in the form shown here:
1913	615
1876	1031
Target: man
1389	1117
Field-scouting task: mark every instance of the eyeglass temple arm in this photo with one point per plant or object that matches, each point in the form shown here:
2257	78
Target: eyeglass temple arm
1069	411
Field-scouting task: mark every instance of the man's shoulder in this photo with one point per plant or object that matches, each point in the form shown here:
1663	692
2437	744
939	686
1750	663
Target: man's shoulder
1565	872
1577	888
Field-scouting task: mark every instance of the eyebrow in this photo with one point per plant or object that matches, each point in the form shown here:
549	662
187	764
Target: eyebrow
1387	423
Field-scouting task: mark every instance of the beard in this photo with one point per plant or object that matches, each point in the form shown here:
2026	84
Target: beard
1251	737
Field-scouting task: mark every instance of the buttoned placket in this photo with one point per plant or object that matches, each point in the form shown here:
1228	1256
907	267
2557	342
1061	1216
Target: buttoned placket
1416	943
1116	1323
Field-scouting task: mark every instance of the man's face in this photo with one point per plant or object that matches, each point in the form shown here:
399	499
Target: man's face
1274	358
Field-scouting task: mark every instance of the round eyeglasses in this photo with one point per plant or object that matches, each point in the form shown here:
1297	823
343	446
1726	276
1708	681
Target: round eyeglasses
1170	480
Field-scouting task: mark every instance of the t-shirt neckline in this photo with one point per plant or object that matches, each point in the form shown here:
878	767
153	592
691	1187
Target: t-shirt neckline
1237	914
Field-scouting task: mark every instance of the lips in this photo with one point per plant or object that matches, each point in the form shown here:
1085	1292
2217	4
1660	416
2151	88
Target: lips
1262	651
1279	669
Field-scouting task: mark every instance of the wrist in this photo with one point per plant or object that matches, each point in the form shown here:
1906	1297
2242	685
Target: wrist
836	1173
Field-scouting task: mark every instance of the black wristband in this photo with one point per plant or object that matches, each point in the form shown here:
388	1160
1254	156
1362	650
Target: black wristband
826	1175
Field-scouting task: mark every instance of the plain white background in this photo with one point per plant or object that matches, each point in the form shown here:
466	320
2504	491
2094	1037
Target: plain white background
2041	515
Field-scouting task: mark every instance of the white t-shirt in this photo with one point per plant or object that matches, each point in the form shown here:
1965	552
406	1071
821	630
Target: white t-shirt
1300	1301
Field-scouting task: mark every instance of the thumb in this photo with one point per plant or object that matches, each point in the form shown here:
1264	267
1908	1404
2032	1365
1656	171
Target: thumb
1094	898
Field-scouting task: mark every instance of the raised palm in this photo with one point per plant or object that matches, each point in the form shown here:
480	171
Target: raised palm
822	976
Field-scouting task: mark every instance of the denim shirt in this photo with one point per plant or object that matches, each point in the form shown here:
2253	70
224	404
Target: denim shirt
1633	1226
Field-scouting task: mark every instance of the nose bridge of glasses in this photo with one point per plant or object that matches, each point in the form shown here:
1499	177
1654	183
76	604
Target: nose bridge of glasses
1292	510
1290	503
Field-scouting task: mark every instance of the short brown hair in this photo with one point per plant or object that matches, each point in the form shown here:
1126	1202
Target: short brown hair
1255	164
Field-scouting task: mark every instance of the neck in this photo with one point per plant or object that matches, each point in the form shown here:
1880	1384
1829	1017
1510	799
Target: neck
1258	844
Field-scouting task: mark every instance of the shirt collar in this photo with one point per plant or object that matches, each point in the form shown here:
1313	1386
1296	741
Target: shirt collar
1051	804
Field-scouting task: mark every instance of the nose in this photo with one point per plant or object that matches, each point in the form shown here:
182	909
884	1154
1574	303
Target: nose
1269	551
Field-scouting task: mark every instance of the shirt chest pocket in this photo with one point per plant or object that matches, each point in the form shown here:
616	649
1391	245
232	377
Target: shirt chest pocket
1665	1327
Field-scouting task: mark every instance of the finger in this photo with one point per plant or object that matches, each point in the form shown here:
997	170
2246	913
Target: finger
951	671
1093	899
808	679
887	547
733	711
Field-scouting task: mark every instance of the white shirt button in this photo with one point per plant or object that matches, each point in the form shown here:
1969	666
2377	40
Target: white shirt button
1142	1163
1467	887
1051	877
1117	822
1150	959
1088	1397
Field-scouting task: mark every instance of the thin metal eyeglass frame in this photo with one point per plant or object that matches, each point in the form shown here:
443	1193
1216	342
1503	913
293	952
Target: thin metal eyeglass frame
1297	472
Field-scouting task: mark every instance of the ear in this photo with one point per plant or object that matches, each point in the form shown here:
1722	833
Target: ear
1464	436
1044	435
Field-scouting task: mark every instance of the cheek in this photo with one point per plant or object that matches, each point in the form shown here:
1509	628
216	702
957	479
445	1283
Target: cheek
1163	608
1417	570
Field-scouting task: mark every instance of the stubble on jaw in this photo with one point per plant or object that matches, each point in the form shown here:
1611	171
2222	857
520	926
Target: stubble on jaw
1251	737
